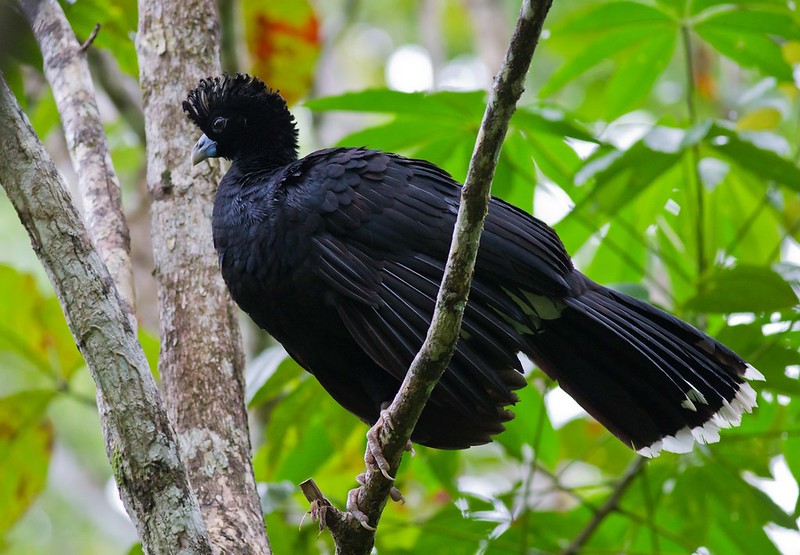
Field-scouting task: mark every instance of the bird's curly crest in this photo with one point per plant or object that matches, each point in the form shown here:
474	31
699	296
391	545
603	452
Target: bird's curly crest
213	92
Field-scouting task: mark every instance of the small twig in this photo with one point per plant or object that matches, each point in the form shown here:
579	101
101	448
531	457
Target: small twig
320	506
67	71
93	35
606	508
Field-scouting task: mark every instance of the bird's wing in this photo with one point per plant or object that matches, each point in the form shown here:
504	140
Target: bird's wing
386	225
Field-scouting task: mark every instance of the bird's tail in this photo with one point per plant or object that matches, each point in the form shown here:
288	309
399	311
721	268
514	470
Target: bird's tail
651	379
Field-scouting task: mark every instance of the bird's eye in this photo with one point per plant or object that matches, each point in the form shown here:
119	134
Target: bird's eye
219	124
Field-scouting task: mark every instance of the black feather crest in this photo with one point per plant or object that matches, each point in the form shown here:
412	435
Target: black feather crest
214	92
260	128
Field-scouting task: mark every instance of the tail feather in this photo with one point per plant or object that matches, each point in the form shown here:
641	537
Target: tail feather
653	380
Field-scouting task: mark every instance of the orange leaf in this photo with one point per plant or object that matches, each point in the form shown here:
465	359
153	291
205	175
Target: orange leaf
283	39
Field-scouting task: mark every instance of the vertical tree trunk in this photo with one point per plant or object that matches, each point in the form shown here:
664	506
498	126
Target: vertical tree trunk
201	359
140	442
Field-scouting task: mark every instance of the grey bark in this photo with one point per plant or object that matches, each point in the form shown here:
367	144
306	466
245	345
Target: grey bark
140	442
350	535
67	70
201	360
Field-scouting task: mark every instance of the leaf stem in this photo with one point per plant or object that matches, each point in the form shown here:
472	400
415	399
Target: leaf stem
691	107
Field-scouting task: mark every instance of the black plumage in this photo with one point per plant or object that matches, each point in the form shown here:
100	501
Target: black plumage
339	256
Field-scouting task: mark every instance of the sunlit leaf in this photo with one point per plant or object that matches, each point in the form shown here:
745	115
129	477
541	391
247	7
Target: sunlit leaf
25	446
773	23
33	332
440	105
284	42
449	531
761	162
743	289
118	22
597	51
637	73
746	48
607	16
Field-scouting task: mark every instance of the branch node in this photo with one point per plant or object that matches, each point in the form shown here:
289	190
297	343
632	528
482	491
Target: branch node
320	506
93	35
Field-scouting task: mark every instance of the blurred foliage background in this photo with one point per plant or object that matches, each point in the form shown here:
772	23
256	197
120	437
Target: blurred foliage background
659	137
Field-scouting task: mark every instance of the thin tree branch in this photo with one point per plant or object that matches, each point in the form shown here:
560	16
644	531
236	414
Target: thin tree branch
201	359
93	35
140	442
606	508
67	71
356	536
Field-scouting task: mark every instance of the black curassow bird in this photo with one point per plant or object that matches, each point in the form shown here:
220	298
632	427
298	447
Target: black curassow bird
339	256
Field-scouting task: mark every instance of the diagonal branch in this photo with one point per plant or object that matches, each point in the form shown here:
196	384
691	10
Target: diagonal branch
350	535
140	442
610	505
67	70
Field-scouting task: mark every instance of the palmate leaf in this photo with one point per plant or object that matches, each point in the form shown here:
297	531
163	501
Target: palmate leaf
441	128
699	6
635	76
747	49
596	51
639	39
791	452
750	35
612	180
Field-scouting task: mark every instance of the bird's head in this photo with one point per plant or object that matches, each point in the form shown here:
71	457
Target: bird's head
241	119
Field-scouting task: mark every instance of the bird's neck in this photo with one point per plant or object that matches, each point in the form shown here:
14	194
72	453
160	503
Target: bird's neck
265	161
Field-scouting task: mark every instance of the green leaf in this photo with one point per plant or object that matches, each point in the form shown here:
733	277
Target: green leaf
34	337
761	162
421	105
268	374
25	445
552	122
530	427
613	15
743	289
747	49
449	531
303	433
594	53
635	75
791	452
753	22
619	177
118	20
443	465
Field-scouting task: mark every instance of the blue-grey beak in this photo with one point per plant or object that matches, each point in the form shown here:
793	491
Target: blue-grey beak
205	148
